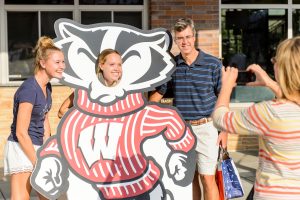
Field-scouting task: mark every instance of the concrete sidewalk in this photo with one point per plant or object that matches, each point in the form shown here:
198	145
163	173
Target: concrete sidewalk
246	162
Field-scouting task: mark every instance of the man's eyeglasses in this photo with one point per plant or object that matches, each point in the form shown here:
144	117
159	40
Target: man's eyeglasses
273	60
180	39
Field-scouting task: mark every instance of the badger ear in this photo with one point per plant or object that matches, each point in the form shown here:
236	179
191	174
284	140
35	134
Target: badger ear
62	30
151	61
79	58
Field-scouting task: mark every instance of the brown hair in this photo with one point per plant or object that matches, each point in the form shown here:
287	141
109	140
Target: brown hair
102	58
182	23
288	68
43	48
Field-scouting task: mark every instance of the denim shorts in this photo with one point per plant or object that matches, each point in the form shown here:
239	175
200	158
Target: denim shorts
15	160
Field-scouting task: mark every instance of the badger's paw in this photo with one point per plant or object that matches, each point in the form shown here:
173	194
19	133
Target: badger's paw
49	177
177	167
181	167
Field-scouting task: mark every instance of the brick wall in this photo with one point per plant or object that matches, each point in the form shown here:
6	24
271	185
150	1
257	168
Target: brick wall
59	93
205	14
242	142
6	95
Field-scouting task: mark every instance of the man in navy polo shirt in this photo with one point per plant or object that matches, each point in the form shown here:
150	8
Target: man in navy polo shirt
196	84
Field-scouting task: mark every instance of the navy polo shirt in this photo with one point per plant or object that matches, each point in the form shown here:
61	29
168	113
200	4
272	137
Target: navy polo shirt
195	87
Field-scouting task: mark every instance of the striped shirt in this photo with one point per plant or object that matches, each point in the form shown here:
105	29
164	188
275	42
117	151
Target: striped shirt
195	87
278	125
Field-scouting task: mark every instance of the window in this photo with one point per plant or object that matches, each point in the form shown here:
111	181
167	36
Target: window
26	21
48	19
111	2
95	17
251	34
129	18
22	33
255	1
296	22
20	46
39	2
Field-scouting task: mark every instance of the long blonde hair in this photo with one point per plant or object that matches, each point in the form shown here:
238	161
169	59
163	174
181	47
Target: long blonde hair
43	48
288	68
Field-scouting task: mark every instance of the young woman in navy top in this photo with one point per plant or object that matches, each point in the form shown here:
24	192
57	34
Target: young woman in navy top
30	126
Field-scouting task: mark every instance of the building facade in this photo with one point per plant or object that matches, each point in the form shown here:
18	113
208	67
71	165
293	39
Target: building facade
239	32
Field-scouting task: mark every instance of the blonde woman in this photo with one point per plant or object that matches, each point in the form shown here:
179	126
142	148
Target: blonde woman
109	72
30	126
277	122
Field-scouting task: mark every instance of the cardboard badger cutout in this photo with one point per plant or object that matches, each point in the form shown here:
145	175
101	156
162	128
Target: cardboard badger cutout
113	144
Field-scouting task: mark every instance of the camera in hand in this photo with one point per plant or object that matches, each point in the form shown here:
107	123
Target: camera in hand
245	77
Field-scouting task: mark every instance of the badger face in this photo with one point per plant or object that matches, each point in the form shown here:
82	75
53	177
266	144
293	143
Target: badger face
147	62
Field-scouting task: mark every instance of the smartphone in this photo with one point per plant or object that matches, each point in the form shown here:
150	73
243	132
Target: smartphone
245	77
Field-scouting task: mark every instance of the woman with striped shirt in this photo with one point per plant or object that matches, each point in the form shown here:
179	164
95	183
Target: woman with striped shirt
277	122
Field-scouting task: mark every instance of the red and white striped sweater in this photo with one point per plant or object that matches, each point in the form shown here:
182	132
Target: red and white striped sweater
103	144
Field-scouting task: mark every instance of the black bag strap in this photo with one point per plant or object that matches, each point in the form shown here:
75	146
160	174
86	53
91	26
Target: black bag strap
223	154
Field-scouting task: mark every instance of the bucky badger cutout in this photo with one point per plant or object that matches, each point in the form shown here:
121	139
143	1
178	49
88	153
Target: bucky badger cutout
113	144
